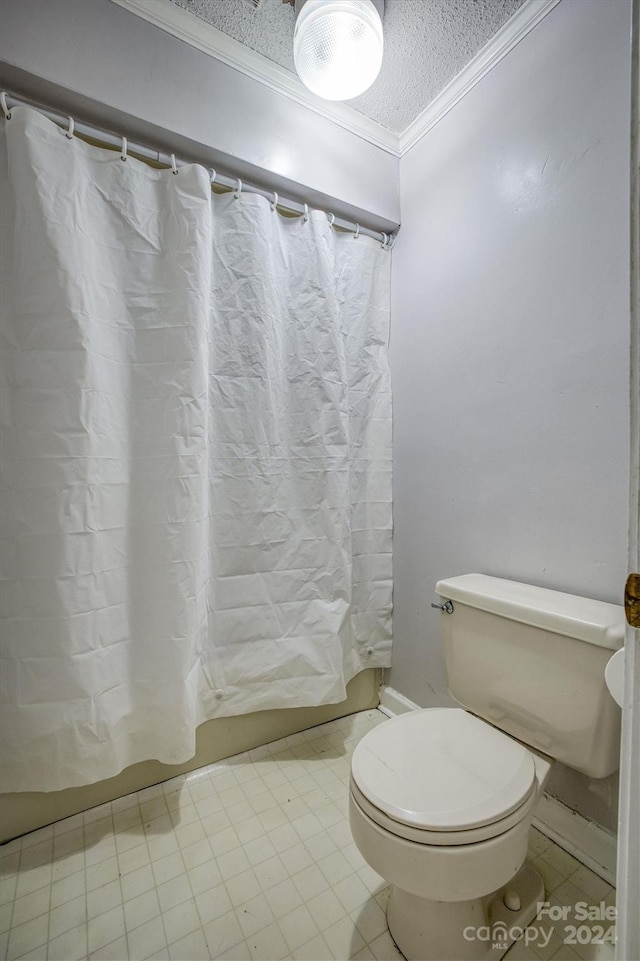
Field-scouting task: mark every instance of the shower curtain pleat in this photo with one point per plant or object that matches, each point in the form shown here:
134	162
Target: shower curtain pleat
196	459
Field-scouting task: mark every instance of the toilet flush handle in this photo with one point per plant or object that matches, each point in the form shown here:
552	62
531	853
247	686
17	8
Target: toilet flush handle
446	608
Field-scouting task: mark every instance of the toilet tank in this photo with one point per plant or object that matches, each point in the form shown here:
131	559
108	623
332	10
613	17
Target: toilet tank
531	662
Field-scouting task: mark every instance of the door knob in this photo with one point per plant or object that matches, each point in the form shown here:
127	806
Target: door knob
632	600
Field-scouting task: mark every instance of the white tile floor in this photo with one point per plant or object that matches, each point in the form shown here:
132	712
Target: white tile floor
250	858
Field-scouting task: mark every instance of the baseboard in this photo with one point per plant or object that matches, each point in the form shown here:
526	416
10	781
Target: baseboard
392	702
585	840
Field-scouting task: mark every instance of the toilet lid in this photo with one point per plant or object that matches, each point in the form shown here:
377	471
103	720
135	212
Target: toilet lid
442	769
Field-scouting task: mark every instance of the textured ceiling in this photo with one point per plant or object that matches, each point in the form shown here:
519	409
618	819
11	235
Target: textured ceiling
427	42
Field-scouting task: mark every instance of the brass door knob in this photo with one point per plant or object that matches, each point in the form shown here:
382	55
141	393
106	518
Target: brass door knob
632	600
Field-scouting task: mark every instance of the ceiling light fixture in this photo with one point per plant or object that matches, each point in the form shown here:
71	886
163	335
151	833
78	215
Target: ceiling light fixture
337	46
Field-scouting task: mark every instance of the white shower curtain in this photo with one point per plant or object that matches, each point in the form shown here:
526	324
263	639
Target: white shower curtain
196	458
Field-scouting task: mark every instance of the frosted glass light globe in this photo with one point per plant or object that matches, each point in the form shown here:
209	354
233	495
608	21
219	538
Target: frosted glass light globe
337	47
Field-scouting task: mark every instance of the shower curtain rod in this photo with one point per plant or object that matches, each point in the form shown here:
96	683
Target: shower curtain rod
169	160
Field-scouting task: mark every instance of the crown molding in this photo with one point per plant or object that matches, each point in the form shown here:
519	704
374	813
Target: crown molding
208	39
514	30
203	36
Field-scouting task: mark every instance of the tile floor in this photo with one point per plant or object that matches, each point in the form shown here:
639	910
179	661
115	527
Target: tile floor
250	858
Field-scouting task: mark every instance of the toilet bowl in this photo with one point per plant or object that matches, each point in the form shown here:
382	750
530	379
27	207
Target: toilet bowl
441	800
440	806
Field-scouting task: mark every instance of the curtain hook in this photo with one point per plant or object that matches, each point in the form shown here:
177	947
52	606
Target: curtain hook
3	103
385	241
123	150
274	202
332	219
238	190
174	169
357	233
70	129
212	176
306	213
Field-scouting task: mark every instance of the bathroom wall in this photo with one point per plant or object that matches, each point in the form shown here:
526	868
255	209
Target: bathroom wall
510	344
102	63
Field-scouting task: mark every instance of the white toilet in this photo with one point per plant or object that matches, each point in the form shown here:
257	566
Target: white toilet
441	801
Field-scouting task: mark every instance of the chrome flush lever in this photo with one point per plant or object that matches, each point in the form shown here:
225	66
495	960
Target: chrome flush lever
446	608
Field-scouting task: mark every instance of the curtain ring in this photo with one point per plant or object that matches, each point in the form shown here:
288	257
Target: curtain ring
238	190
3	103
306	213
357	233
274	202
212	176
332	219
123	150
70	129
174	169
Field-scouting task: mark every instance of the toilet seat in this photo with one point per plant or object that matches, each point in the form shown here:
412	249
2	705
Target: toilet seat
444	838
442	776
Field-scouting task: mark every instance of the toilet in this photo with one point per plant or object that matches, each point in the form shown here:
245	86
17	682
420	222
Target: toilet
441	800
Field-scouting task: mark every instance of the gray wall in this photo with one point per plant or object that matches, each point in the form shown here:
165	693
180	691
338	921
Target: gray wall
106	65
510	349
